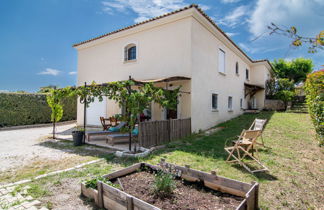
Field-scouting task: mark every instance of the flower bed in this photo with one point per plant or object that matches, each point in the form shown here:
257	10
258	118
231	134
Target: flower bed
135	188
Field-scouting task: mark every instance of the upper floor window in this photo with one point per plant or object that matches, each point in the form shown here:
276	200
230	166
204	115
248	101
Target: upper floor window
221	61
130	52
236	68
247	76
214	101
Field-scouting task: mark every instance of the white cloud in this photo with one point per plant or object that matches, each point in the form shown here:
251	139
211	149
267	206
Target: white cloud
231	34
236	17
306	15
230	1
72	72
49	71
145	9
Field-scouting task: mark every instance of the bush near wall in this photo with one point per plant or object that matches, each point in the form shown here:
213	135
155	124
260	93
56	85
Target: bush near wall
314	88
27	109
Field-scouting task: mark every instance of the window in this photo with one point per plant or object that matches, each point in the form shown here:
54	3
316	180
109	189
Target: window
247	74
130	52
230	103
237	68
221	61
214	101
241	103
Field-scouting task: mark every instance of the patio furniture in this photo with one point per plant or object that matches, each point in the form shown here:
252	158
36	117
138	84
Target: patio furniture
110	130
120	137
243	147
258	124
104	123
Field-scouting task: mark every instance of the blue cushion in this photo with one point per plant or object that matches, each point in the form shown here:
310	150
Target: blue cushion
114	129
135	132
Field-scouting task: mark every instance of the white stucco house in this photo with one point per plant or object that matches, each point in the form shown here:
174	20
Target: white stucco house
185	47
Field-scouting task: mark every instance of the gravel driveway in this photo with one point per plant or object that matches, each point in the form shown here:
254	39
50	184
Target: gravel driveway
21	147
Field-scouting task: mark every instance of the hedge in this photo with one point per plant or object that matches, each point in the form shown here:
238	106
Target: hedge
314	88
27	109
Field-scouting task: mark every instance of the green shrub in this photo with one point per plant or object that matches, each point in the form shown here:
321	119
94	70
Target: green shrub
163	184
314	88
27	109
92	183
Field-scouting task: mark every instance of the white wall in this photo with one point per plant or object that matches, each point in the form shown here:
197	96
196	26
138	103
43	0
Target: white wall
207	80
163	51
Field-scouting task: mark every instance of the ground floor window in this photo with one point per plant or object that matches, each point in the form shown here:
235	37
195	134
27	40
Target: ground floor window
214	101
230	103
241	103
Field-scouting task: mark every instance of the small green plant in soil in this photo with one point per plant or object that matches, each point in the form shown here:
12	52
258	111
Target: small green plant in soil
163	185
92	183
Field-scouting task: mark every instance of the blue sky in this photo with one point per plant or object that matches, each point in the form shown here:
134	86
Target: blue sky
36	36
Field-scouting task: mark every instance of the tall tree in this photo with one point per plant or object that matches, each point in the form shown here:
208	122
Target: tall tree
295	70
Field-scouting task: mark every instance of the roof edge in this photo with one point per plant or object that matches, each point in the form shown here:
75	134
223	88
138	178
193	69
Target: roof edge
171	13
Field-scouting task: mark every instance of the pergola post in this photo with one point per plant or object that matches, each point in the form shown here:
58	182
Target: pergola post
54	119
84	114
129	117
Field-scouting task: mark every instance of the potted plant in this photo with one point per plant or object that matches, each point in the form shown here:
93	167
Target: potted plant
78	136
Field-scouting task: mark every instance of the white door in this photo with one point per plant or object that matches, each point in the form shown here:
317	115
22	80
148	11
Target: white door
96	110
254	103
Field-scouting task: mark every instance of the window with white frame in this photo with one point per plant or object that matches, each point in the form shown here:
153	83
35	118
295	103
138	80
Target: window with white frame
237	68
214	101
230	103
130	52
241	103
221	61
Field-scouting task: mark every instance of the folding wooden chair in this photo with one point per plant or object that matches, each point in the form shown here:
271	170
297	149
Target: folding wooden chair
258	124
104	123
244	147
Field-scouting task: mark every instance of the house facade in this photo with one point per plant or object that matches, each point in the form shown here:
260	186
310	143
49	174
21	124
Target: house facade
183	48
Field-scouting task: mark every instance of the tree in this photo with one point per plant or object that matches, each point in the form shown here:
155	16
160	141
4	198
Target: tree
295	70
281	89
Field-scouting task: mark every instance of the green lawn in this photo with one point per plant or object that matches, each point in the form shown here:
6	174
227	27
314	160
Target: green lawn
295	180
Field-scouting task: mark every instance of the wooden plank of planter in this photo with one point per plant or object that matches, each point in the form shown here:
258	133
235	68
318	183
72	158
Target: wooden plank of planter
100	194
221	188
242	205
221	183
123	172
252	197
211	180
142	205
116	199
89	193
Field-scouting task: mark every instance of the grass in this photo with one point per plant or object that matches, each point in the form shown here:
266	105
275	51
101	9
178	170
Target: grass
293	157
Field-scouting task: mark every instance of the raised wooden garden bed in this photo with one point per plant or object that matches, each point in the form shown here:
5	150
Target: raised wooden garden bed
194	190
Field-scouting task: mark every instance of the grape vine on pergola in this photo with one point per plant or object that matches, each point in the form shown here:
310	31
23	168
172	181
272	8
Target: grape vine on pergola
134	100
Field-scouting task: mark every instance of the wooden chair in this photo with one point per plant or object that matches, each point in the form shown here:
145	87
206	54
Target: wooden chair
104	123
243	147
113	121
258	124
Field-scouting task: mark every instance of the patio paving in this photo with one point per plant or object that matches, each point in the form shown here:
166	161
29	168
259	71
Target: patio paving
94	140
9	199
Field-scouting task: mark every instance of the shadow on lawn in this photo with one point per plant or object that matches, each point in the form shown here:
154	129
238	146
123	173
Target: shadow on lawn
213	146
